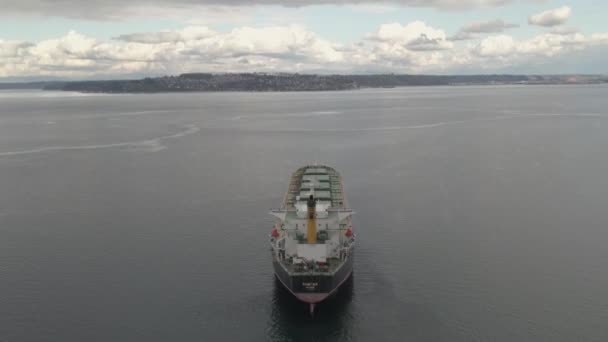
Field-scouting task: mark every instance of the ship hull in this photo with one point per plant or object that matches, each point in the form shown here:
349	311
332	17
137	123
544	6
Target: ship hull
313	288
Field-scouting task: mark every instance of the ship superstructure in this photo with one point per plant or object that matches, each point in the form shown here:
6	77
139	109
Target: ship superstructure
312	241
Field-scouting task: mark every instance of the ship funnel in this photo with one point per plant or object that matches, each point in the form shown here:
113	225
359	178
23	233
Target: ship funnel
312	220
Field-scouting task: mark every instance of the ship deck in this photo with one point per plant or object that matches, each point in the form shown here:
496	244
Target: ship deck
323	180
332	265
332	219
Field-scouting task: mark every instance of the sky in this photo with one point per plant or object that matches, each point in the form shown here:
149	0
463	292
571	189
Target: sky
73	39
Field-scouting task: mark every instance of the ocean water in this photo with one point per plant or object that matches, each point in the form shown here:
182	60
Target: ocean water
481	214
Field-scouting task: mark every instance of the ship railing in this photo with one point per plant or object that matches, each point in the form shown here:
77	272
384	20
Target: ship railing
311	268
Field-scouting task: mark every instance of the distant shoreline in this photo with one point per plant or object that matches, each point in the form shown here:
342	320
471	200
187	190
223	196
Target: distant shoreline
263	82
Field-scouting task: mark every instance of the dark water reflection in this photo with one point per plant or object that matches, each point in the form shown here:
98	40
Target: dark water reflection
347	317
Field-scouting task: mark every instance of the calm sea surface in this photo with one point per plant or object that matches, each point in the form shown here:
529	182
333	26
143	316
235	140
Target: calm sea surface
482	214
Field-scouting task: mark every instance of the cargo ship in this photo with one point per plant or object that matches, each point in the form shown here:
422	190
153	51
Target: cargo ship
312	241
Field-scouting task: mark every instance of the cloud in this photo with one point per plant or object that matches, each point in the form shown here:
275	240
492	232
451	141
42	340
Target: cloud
187	34
492	26
191	49
150	38
469	31
12	49
599	38
461	36
503	51
552	17
117	9
415	46
413	34
549	45
277	42
401	48
424	43
562	30
496	46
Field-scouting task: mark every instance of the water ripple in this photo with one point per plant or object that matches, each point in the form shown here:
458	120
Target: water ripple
149	145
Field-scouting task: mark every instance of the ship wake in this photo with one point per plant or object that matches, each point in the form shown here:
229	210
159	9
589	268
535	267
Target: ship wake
148	145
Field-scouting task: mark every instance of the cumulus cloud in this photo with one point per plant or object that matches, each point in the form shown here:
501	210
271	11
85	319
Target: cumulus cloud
549	45
496	46
416	46
190	49
424	43
402	48
113	9
552	17
599	38
414	35
503	50
12	49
